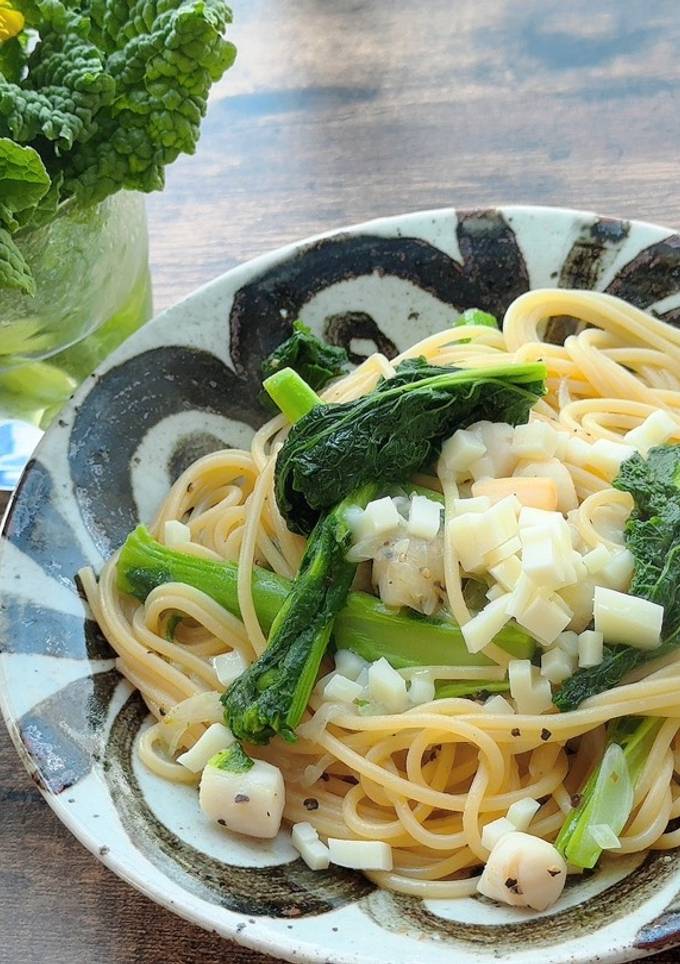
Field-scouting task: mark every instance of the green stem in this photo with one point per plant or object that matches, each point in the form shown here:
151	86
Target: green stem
291	394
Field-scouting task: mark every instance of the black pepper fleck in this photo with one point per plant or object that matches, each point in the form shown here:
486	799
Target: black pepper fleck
222	823
554	871
511	882
311	803
241	798
545	734
515	732
575	800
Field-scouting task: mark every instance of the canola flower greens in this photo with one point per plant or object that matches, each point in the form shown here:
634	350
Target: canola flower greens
97	96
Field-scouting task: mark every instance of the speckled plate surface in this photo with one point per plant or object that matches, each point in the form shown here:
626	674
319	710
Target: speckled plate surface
185	385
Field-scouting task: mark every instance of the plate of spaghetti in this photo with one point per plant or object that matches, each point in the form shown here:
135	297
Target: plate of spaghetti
341	608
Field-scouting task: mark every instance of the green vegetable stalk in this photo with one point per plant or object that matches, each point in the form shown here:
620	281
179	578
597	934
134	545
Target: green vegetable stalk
234	759
315	361
392	432
653	537
364	624
606	800
96	96
272	694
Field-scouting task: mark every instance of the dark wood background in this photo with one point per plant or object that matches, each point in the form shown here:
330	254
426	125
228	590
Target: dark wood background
338	111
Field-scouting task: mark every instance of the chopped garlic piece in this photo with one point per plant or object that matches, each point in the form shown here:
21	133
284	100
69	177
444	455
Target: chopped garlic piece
229	666
421	691
590	648
339	689
349	664
522	812
627	619
360	854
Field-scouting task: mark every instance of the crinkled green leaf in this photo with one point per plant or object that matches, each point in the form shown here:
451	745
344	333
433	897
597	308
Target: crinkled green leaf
23	181
14	272
12	59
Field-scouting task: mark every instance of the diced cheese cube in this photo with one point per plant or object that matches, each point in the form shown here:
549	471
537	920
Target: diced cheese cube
217	737
424	517
531	693
339	689
531	517
534	440
459	452
522	812
498	524
568	643
306	841
561	445
607	456
618	572
495	592
656	429
349	664
473	534
507	572
590	648
421	691
578	451
545	558
463	531
497	704
556	665
482	628
544	618
461	506
360	854
539	492
229	666
380	518
579	599
387	686
249	802
597	558
504	551
175	533
559	473
492	832
627	619
498	437
521	597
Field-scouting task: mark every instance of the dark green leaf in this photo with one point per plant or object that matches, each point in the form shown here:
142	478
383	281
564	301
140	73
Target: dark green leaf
314	360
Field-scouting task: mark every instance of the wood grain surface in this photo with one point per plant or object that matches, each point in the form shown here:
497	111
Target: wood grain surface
338	111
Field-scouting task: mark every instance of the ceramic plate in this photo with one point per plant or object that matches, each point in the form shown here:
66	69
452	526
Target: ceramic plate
186	385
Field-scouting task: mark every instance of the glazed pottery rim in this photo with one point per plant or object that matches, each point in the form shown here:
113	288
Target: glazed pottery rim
271	942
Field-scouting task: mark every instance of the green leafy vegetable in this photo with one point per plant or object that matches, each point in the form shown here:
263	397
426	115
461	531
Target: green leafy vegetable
393	431
291	394
271	695
606	799
109	94
653	537
313	359
475	316
364	624
235	760
472	689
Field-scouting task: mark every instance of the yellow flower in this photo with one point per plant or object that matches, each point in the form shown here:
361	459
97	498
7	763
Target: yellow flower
11	21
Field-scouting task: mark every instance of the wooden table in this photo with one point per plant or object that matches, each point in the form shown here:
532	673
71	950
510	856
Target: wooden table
337	111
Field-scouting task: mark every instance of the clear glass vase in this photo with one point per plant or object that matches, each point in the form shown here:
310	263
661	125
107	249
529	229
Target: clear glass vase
91	270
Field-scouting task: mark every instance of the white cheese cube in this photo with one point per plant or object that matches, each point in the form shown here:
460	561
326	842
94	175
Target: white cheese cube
306	841
607	456
498	524
349	664
521	597
249	802
229	666
339	689
387	686
568	643
597	558
175	533
562	439
498	437
380	518
559	473
480	504
463	533
498	704
217	737
360	854
522	812
495	592
627	619
507	572
421	691
544	618
578	451
504	551
494	831
535	440
556	665
531	693
529	517
459	452
481	629
590	648
424	517
618	572
579	599
656	429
